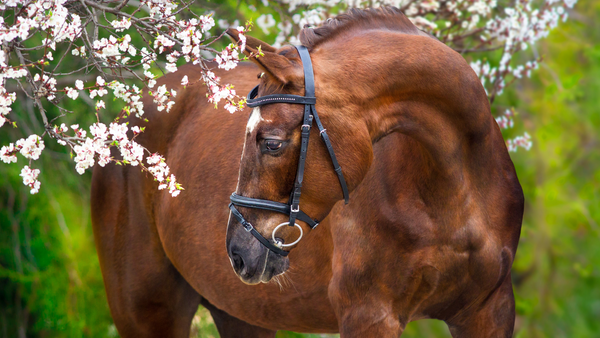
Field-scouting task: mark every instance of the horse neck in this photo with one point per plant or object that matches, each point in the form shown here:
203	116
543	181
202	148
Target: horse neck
419	87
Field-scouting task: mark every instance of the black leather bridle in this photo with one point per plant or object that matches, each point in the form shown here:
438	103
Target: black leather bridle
292	208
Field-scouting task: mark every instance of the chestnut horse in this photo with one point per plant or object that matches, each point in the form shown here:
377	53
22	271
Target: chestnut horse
435	208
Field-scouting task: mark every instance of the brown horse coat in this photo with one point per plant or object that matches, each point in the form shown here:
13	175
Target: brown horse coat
430	231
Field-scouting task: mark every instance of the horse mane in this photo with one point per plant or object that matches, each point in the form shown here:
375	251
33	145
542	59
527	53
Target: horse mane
384	17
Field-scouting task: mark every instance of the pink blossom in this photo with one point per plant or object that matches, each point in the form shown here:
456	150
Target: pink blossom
228	58
31	147
8	153
132	152
85	155
519	141
30	179
121	25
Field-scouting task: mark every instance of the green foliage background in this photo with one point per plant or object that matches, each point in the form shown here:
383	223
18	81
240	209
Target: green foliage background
50	281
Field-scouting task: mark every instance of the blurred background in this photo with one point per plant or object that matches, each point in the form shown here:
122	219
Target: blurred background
50	281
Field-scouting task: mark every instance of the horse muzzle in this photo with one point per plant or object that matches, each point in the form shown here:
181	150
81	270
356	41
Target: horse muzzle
251	261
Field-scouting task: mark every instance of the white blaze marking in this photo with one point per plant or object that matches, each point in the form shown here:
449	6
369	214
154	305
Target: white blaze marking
254	120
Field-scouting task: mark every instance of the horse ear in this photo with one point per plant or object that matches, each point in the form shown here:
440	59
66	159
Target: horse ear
252	44
279	67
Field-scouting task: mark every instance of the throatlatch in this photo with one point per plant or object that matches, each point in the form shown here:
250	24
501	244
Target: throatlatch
292	208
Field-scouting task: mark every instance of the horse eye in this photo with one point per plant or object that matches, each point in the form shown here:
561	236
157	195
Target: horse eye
273	145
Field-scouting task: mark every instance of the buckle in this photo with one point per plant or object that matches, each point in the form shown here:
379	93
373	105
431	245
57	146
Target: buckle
307	126
295	210
247	226
322	131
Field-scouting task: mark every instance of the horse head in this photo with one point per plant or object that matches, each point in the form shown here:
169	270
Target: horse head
269	167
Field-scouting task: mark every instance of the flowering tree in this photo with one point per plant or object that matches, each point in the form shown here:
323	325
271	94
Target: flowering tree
54	51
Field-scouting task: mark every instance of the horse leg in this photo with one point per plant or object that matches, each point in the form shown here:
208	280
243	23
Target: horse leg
364	314
494	318
146	295
367	325
231	327
369	322
150	299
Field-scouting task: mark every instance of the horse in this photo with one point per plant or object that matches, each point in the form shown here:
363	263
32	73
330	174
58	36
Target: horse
434	214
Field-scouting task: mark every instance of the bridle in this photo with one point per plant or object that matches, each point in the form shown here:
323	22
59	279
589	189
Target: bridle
292	208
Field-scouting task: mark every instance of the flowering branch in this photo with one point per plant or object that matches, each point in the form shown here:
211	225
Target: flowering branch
99	45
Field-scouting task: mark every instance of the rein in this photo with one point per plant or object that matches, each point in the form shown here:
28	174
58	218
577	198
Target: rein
292	208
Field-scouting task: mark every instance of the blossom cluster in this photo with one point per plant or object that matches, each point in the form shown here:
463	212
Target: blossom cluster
519	141
6	100
97	148
30	179
160	170
30	148
219	93
505	121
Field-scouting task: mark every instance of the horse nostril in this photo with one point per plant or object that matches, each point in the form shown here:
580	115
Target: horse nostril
238	262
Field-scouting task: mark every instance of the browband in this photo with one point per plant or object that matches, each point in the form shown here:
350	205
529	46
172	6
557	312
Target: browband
276	98
310	114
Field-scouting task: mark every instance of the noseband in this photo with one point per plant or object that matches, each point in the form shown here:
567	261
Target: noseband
292	208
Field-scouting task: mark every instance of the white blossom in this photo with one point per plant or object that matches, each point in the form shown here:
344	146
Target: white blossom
265	22
72	93
79	84
171	67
